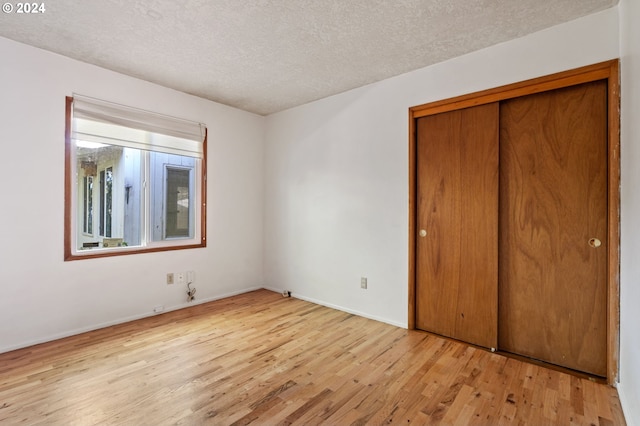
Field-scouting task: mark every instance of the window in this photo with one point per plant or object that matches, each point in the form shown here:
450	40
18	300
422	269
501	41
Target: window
135	181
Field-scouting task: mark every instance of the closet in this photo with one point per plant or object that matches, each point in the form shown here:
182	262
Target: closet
513	219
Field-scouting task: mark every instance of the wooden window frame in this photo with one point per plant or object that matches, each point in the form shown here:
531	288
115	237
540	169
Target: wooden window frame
69	179
609	71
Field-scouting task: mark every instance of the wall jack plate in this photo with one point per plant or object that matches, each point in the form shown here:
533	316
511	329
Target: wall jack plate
363	283
170	279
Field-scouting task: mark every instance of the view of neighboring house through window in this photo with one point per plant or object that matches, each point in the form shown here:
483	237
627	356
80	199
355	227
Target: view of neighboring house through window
177	203
106	201
87	205
136	181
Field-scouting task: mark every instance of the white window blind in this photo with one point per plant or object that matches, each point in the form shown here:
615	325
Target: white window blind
104	122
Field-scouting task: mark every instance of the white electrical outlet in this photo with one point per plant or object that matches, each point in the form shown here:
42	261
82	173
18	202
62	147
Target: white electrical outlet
363	282
191	277
158	308
180	278
170	279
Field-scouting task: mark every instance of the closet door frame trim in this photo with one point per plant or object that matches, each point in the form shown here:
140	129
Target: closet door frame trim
608	70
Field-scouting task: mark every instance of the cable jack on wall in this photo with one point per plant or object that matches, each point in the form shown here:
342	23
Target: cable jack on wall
190	292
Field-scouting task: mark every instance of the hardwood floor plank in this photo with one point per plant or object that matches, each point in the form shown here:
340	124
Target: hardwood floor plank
261	359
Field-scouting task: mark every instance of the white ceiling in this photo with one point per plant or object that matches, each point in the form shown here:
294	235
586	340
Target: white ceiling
265	56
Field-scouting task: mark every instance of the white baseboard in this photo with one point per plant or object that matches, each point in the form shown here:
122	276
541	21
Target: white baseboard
120	321
186	305
340	308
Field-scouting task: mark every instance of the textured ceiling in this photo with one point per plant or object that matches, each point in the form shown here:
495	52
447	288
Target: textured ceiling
265	56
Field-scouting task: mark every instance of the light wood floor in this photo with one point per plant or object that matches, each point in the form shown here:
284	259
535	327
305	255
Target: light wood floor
259	358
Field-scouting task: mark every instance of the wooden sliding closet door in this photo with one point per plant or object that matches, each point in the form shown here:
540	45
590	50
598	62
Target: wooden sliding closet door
457	221
553	227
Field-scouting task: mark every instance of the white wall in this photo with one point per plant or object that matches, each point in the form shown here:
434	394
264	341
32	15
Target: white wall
42	297
629	388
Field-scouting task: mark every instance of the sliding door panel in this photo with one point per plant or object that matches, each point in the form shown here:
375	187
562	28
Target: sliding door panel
553	227
457	221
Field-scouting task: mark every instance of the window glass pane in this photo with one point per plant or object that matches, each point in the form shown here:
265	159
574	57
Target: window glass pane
133	193
172	196
177	203
114	203
106	192
87	203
